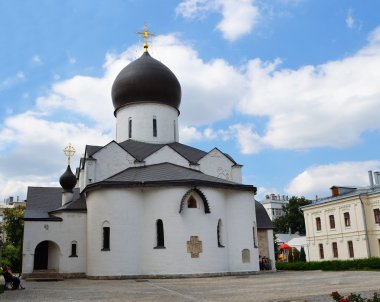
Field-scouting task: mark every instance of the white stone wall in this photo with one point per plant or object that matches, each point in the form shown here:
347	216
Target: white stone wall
72	228
110	160
142	123
132	215
166	154
215	163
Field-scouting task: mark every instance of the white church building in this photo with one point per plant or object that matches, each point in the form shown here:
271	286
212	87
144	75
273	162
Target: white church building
145	204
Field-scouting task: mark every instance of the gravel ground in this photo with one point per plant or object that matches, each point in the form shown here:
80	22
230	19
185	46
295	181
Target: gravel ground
310	286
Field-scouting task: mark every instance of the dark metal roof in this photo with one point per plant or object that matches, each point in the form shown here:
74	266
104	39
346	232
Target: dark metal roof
42	200
68	180
166	174
262	218
141	150
146	80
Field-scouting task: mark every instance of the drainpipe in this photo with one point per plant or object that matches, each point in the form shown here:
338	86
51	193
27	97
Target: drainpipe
365	226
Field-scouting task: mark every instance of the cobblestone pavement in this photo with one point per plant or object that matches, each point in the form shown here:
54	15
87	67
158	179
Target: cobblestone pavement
312	286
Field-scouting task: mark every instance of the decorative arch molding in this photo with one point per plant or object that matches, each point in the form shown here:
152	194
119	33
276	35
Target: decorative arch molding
200	194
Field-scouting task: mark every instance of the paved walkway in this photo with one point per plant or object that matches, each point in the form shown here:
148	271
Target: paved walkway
310	286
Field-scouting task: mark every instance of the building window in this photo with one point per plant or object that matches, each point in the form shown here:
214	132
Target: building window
245	256
219	233
376	212
73	249
347	221
321	253
335	249
332	221
130	128
106	238
318	223
191	203
350	249
154	127
160	234
254	237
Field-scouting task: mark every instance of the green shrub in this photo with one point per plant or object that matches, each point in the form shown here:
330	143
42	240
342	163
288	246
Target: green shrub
333	265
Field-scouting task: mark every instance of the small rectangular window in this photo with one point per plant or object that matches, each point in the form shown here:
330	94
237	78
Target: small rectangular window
321	253
350	249
154	127
106	239
73	250
318	223
335	249
376	212
347	221
332	221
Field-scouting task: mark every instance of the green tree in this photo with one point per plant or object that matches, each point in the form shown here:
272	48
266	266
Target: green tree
293	217
14	225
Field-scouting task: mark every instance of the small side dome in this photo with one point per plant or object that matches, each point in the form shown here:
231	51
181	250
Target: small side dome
68	180
146	80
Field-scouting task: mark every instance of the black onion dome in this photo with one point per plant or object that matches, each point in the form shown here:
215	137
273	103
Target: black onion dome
146	80
68	180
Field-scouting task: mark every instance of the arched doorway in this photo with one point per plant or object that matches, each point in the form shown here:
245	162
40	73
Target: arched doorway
46	256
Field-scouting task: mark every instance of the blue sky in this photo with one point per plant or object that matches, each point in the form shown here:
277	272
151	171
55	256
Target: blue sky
289	88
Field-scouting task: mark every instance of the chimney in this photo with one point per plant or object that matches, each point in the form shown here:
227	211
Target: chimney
370	175
377	178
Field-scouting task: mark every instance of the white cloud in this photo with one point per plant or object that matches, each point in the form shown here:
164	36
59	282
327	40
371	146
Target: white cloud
317	180
239	17
331	104
350	19
248	140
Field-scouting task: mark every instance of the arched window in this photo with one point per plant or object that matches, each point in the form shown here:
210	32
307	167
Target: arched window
106	236
160	234
245	256
254	237
154	126
191	202
219	233
73	249
130	127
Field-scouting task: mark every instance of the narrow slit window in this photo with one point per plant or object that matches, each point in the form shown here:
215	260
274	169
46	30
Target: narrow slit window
73	249
154	127
175	131
160	234
219	233
106	239
130	128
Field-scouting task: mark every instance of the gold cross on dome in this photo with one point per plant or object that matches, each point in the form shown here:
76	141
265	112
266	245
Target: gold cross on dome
146	34
194	246
69	152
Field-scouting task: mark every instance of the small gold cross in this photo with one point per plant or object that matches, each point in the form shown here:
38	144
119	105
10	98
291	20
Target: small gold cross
69	152
146	34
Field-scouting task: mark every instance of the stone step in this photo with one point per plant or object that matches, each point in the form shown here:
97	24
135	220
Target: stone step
44	275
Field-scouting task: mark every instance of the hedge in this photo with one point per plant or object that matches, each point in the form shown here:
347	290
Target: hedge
333	265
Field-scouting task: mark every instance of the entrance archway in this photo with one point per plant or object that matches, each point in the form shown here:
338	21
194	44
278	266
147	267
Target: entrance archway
46	256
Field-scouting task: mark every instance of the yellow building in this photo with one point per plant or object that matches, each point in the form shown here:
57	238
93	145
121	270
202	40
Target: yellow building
345	225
